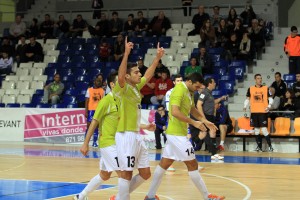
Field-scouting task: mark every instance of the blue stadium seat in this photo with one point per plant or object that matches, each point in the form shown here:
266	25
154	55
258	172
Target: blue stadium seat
227	86
65	41
72	105
65	71
68	99
185	63
65	65
182	69
27	105
68	78
228	77
136	40
2	105
68	84
218	50
135	57
112	65
81	85
221	63
163	39
149	45
239	63
67	52
43	105
221	71
39	92
6	32
71	92
50	71
79	41
196	51
94	71
52	65
165	44
215	57
150	39
63	59
144	106
62	46
13	105
95	41
36	99
77	59
78	53
91	52
92	58
82	78
289	77
218	93
79	71
98	64
59	105
216	77
237	72
81	97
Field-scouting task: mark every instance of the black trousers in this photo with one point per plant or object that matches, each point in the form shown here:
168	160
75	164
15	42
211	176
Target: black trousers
294	64
157	133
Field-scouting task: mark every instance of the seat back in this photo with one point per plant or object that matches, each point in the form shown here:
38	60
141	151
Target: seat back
244	123
282	126
23	85
297	126
8	98
8	85
23	98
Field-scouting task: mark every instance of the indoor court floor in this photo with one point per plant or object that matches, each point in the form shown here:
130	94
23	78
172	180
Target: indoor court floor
35	171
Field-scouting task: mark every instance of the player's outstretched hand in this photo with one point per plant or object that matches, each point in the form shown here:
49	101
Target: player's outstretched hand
84	149
150	127
128	46
160	51
199	125
211	126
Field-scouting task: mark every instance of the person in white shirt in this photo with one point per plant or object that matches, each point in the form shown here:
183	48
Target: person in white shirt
176	79
6	63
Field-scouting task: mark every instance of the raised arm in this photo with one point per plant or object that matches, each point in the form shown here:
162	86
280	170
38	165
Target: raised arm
123	66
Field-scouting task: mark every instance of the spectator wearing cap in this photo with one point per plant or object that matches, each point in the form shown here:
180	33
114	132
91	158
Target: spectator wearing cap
292	50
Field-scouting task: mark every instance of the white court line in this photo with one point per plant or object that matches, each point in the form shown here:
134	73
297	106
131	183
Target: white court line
169	198
237	182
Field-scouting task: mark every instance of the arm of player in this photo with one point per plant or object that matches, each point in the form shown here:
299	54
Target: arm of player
201	117
246	102
148	127
86	106
150	71
85	146
123	66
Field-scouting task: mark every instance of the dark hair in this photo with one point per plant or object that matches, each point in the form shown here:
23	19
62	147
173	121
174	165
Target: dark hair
131	15
130	66
294	28
256	75
194	77
47	15
115	13
140	12
176	76
160	106
278	73
208	81
112	77
35	20
56	74
291	91
216	7
79	15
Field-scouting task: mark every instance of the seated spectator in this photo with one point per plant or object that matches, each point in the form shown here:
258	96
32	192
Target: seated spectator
20	51
232	47
17	29
159	69
101	29
141	25
61	27
162	85
192	68
7	47
245	47
129	26
198	20
208	35
79	25
148	91
223	123
53	91
115	24
34	51
275	105
257	37
216	17
222	33
248	15
33	28
238	29
161	122
287	104
279	85
141	66
232	16
6	64
296	90
105	51
46	28
159	24
204	61
119	48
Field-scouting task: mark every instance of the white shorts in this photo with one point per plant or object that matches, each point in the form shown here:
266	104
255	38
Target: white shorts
178	148
132	151
109	160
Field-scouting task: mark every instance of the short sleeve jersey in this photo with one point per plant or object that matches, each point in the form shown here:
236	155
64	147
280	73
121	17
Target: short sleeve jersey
107	116
182	98
130	105
167	98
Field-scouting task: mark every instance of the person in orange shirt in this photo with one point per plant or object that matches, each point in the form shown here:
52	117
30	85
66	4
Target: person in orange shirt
93	96
260	103
292	50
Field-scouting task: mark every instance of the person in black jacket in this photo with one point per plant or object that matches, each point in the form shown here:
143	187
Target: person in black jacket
34	51
161	122
97	5
61	27
159	24
198	21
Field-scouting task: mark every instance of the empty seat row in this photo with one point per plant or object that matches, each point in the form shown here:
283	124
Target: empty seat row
26	78
23	85
11	98
17	91
35	71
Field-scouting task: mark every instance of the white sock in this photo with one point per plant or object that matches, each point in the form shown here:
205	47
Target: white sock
199	183
135	182
91	186
222	143
157	178
123	189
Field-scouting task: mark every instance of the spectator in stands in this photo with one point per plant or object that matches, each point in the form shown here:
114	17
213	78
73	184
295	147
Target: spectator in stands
248	15
46	28
97	5
20	51
176	80
245	47
222	33
232	16
187	9
141	25
161	122
216	17
119	48
238	29
279	85
105	51
204	61
53	91
257	37
6	64
34	51
296	90
292	50
7	47
198	20
192	68
61	27
79	25
148	91
33	28
115	24
17	29
162	85
208	35
141	66
232	47
101	29
275	105
287	104
129	26
159	69
159	24
223	122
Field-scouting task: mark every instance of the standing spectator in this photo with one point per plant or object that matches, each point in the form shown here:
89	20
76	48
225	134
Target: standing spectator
129	26
187	9
33	28
204	61
148	91
6	64
223	122
119	48
162	85
53	91
222	33
256	35
17	29
161	122
105	51
245	47
46	28
192	68
20	51
232	16
159	24
279	85
287	103
141	25
260	103
34	51
141	66
7	47
292	50
208	35
61	27
79	25
216	17
115	24
296	90
176	80
101	29
275	105
198	20
97	5
232	47
248	15
159	69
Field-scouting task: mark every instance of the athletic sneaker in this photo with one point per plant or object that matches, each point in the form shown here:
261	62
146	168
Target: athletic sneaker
258	149
155	198
171	169
271	149
217	157
215	197
221	148
76	197
112	197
